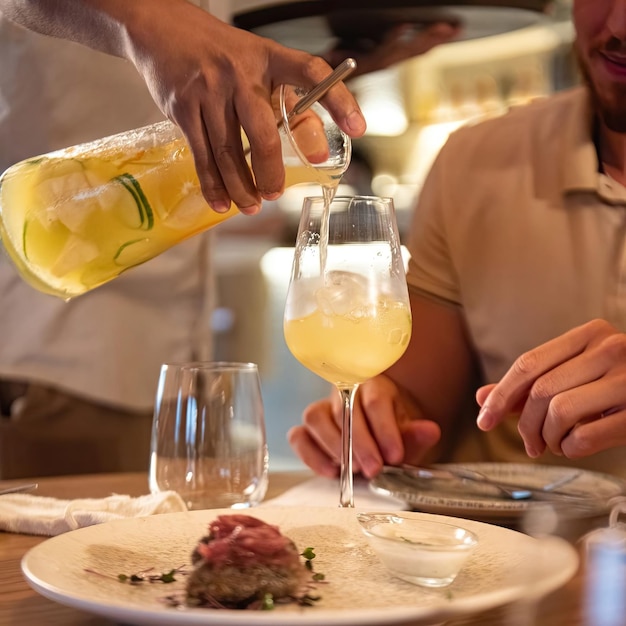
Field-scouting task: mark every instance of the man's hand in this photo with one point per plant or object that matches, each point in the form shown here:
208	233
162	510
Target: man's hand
570	393
399	43
385	431
212	80
208	77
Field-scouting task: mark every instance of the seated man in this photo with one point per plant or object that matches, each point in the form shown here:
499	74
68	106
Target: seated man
515	276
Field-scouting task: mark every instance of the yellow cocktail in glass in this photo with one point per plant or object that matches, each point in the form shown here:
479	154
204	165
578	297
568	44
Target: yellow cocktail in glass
347	350
347	316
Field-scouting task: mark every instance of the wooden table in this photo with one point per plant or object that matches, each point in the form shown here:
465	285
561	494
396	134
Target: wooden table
21	606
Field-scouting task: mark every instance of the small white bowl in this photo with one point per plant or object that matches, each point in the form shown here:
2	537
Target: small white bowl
426	553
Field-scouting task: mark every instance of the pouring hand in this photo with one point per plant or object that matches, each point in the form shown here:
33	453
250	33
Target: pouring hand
212	80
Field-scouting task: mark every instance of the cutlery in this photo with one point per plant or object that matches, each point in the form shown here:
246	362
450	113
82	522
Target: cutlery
502	488
19	488
343	70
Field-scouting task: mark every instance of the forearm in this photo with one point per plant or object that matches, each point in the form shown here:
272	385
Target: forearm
100	24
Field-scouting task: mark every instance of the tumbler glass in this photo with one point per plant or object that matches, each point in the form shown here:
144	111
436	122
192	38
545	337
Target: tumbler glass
208	435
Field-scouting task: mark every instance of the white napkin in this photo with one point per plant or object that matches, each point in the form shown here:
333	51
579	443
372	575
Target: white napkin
321	491
39	515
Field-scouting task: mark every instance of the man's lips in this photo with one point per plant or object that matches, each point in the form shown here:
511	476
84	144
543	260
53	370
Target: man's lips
615	64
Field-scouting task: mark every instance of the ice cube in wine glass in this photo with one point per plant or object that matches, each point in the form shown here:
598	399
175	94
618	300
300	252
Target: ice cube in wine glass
344	294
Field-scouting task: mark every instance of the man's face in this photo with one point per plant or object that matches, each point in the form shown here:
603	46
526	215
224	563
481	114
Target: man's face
601	48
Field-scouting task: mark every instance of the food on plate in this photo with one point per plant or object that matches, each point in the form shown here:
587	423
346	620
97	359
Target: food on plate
244	562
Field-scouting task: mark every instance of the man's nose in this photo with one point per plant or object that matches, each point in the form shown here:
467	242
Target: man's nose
616	20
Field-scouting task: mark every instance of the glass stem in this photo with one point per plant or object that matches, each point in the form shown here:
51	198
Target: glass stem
346	480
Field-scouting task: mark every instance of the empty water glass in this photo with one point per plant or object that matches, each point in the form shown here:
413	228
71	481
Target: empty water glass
208	435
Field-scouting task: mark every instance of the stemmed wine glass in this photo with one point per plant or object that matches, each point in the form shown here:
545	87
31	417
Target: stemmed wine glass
347	315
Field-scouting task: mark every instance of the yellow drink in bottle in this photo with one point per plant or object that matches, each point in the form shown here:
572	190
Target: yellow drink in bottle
76	218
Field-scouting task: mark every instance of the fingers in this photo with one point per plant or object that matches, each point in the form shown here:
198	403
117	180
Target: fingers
308	133
254	112
258	114
231	176
318	441
379	412
515	385
418	438
570	393
383	431
570	416
293	67
559	398
213	80
308	450
592	436
189	119
482	393
370	439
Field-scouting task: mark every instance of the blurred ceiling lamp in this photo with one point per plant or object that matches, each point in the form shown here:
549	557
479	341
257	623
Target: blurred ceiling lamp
319	25
381	100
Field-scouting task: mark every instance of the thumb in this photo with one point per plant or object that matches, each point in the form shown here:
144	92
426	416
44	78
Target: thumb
308	133
483	392
418	438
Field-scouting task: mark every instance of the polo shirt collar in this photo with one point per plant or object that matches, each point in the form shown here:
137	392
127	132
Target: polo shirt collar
580	162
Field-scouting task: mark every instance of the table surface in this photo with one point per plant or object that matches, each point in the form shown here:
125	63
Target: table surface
21	606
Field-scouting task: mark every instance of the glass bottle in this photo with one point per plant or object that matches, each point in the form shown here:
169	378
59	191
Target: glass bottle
76	218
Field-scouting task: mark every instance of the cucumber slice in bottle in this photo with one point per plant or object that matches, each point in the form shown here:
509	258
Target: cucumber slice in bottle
133	252
146	215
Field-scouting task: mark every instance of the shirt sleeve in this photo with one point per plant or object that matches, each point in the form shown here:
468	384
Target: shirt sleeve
431	271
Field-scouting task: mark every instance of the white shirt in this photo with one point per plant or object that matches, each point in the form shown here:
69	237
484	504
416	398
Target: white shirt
106	345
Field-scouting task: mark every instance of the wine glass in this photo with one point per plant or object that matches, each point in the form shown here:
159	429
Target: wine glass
347	315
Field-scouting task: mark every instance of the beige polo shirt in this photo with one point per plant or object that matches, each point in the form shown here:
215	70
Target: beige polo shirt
516	226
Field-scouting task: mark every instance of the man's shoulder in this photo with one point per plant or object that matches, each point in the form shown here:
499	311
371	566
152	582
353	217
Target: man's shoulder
540	117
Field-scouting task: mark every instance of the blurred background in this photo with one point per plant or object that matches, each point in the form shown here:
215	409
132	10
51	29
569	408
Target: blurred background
508	53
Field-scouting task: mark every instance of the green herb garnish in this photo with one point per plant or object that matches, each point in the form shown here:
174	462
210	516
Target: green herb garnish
309	555
145	577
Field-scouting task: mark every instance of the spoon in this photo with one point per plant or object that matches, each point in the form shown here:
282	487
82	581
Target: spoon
345	68
411	472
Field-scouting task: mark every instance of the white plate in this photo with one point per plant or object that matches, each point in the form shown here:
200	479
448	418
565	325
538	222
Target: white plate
460	499
358	591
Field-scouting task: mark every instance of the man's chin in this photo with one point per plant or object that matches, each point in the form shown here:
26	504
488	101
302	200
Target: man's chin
610	107
613	117
612	110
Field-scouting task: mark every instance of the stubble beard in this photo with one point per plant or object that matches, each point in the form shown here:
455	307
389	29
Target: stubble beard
610	107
